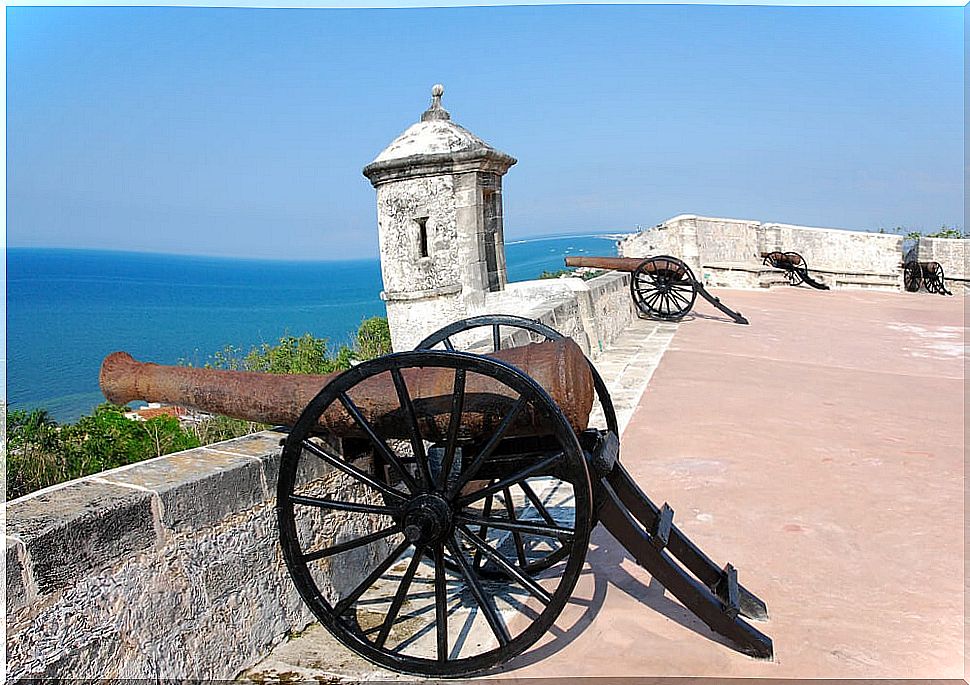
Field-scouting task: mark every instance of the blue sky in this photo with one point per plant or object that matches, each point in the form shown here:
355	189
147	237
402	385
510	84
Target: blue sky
242	132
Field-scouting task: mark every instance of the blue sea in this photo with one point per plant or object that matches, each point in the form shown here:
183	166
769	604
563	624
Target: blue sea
67	309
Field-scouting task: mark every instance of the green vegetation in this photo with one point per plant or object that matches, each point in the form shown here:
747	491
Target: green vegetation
572	273
944	232
41	452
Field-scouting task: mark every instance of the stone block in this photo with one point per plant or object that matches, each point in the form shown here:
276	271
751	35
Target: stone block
198	488
17	589
265	446
72	531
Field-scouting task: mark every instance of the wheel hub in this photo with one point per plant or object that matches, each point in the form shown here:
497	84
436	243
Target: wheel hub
427	519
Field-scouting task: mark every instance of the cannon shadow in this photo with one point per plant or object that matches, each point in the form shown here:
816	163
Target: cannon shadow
605	564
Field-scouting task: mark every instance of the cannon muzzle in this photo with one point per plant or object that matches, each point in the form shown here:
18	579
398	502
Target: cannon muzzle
278	399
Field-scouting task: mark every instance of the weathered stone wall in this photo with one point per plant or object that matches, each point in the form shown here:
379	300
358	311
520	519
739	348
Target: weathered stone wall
674	237
399	205
728	240
951	253
835	249
728	251
169	568
410	321
593	313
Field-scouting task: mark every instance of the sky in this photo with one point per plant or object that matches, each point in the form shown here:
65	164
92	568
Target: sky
242	132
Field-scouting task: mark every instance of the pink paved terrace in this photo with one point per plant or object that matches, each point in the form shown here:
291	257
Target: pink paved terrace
820	450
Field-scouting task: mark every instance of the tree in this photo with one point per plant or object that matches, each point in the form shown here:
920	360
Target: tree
373	338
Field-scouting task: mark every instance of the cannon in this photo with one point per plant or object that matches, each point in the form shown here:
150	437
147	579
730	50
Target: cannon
662	287
475	482
794	266
926	274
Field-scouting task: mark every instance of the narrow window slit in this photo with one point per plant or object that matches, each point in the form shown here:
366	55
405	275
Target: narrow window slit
422	236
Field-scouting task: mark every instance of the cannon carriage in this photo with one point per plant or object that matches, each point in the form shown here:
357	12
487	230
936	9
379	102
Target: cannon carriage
794	266
662	287
926	274
474	482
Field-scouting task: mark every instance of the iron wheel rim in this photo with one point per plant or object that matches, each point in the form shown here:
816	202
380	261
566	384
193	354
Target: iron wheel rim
663	288
570	468
912	275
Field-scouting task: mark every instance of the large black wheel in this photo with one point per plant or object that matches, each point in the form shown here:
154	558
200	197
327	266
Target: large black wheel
663	288
795	270
912	276
933	277
387	563
523	331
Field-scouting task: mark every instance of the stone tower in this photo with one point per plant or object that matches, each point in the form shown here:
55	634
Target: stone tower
439	223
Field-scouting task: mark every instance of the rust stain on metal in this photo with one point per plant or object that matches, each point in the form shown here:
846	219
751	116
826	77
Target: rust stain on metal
558	366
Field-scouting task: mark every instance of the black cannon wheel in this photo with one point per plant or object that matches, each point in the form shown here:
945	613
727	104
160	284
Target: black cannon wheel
933	277
795	273
495	322
912	276
663	288
421	609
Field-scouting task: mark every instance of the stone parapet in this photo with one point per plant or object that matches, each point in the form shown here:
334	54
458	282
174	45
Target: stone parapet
953	256
169	568
593	312
727	252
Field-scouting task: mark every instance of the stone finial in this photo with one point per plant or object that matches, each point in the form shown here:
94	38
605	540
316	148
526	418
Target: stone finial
436	112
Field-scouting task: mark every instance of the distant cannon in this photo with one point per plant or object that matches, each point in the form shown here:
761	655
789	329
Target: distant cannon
662	287
926	274
474	503
794	266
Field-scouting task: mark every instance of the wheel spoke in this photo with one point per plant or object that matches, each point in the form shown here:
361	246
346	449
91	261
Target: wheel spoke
651	301
562	534
376	440
454	423
338	463
491	615
496	338
490	446
524	485
399	596
483	531
341	607
325	503
680	298
448	345
511	480
516	537
441	603
417	443
352	544
502	563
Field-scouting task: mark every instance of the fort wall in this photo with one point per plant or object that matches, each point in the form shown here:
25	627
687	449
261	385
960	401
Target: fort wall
166	568
952	255
728	252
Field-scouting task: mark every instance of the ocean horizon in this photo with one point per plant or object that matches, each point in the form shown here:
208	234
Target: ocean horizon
67	309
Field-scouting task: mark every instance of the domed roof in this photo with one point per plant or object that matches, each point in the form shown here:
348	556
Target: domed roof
432	141
432	137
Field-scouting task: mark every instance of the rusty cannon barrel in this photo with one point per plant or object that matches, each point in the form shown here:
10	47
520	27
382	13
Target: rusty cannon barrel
558	366
628	264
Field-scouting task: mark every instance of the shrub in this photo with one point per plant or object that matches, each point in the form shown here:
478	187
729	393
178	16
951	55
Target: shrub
41	452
